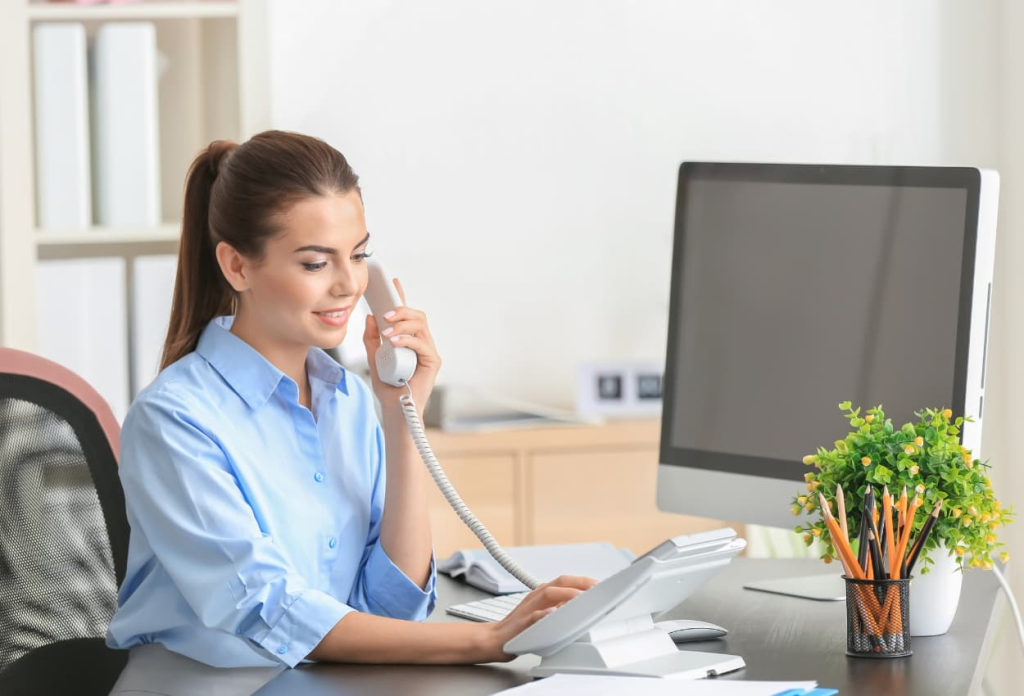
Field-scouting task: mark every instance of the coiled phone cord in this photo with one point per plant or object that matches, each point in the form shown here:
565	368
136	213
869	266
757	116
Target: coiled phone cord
451	495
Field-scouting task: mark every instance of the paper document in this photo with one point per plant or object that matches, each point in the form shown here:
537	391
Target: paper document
588	685
545	563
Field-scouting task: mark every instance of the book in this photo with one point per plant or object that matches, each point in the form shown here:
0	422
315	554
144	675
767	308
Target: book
597	560
60	75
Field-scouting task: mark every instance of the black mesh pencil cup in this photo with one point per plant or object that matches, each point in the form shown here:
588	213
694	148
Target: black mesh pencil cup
878	618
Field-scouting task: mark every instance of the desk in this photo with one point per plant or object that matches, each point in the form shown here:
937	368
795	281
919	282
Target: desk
781	638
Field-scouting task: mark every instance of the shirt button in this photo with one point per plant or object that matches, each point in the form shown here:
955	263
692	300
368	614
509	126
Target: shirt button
319	476
332	542
282	650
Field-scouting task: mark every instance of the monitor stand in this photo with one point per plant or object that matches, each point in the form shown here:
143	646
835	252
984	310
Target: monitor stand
824	588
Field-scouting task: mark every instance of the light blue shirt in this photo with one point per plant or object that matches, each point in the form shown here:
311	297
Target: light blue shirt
255	527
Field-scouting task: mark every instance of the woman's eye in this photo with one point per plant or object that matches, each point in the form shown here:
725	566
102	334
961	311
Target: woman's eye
314	267
359	258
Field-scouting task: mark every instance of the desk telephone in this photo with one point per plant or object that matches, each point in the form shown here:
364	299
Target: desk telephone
609	629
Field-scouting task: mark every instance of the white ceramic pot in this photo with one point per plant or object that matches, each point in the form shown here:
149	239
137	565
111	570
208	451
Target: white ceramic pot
935	596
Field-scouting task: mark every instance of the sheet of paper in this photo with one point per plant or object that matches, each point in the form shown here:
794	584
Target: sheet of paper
587	685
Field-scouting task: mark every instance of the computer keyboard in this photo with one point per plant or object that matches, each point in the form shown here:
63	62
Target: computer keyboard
490	609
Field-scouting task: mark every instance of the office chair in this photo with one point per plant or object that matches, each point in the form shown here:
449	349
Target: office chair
63	531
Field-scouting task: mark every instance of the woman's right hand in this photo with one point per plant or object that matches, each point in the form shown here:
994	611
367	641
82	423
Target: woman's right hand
533	607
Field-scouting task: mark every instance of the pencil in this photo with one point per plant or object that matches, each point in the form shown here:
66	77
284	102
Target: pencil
841	511
922	538
842	545
908	525
863	557
876	556
890	538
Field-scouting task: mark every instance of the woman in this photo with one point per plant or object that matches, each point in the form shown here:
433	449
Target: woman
254	468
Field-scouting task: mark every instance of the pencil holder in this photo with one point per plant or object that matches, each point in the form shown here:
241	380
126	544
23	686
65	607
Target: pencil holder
877	618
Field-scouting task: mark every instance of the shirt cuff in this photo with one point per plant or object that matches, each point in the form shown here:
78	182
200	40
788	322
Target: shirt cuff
301	627
390	592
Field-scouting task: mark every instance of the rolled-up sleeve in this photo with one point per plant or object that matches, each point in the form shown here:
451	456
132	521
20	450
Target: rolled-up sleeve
182	495
382	588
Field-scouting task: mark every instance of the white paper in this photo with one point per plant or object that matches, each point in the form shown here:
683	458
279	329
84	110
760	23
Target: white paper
589	685
598	561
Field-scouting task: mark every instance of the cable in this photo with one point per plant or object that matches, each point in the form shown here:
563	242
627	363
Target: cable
437	473
1013	604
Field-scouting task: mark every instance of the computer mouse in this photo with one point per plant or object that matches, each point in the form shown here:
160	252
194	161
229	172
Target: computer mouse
686	630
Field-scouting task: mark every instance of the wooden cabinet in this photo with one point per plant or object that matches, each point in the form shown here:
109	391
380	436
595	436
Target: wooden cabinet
557	485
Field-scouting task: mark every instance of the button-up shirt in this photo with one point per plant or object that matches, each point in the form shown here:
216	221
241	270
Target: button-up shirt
255	522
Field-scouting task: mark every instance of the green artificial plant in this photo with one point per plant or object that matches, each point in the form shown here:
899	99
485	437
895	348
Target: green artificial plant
929	460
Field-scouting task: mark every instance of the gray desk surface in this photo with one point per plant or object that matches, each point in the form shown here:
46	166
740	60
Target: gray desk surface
781	638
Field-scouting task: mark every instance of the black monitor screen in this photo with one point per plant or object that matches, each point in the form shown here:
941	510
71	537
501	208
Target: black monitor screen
795	288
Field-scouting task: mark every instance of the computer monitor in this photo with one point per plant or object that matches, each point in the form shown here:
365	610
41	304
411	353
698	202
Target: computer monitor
797	287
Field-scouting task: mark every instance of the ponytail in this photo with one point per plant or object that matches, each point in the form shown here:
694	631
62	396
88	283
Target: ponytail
200	290
236	194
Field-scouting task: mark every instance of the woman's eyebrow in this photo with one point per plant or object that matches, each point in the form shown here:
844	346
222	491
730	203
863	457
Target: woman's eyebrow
328	250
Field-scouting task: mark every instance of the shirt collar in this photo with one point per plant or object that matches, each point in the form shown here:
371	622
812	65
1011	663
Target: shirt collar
250	374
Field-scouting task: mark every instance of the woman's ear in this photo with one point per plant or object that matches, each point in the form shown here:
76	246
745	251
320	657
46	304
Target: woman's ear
233	266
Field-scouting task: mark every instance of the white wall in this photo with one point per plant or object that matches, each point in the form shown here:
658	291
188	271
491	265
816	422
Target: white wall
519	158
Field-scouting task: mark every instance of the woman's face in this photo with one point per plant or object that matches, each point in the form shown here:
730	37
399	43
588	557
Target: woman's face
310	278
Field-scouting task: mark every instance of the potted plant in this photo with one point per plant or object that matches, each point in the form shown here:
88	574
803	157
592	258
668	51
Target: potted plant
928	459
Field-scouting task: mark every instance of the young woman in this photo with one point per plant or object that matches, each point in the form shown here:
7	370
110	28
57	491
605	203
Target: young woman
273	518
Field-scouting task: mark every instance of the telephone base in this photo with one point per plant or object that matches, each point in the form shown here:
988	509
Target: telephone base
684	664
643	653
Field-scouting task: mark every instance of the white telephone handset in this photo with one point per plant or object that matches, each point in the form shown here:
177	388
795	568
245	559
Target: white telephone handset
395	365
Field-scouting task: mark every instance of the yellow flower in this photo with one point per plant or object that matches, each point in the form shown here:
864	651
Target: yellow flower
947	413
909	449
975	563
960	550
807	539
919	442
969	463
987	565
827	559
808	477
988	481
795	509
990	538
985	517
996	504
919	488
815	485
802	499
956	512
865	460
965	521
816	532
868	418
809	506
810	487
993	526
1004	557
914	469
972	510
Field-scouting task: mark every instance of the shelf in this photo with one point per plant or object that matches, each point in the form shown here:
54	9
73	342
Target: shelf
101	241
139	11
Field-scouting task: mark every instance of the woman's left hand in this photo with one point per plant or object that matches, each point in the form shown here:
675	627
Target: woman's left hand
410	327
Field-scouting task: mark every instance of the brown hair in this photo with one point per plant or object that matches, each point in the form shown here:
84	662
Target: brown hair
237	194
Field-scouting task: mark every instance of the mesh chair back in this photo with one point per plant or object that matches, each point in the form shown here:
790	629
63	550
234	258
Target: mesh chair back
63	530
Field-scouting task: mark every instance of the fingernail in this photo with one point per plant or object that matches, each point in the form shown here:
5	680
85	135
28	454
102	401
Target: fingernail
395	339
390	314
388	331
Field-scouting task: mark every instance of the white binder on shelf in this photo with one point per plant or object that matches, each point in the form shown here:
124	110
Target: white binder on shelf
81	323
126	130
151	314
60	74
